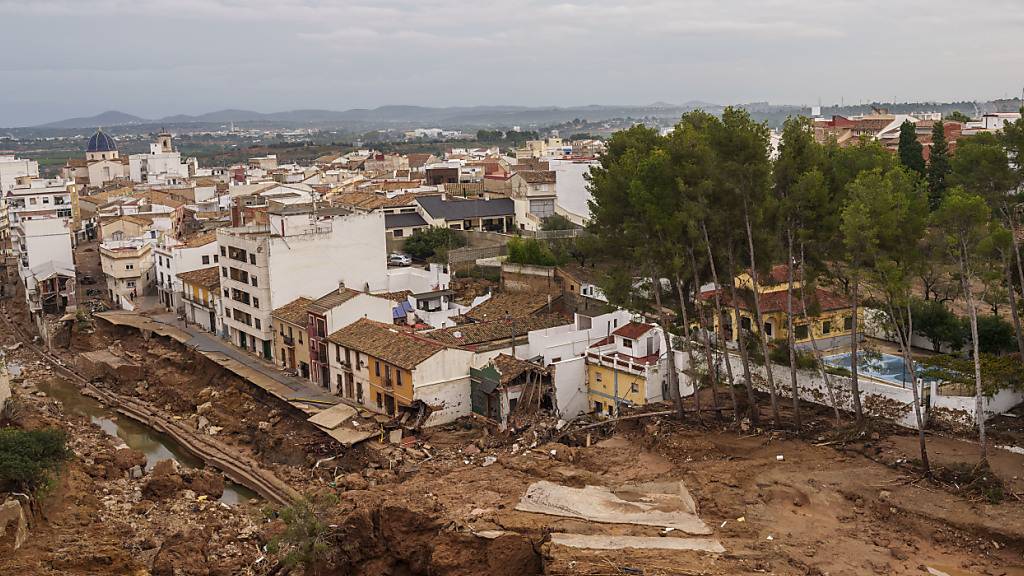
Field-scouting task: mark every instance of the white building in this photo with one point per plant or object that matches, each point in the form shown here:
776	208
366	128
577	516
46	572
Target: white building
41	227
173	257
128	267
12	168
161	165
298	254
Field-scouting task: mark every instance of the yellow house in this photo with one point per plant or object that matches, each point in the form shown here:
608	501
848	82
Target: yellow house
830	315
291	336
200	293
626	369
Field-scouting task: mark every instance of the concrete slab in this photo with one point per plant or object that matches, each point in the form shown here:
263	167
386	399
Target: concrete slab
332	417
611	542
349	436
667	505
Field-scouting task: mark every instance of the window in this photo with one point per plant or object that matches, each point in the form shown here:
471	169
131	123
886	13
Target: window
337	353
399	233
338	380
376	368
745	323
634	388
216	258
252	259
380	400
255	302
348	357
256	321
254	282
826	327
225	291
387	374
46	200
398	377
768	329
206	259
800	332
848	323
130	283
129	266
597	376
223	252
627	342
224	272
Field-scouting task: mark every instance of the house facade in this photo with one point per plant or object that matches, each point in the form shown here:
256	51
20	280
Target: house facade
128	267
291	336
388	370
626	369
200	296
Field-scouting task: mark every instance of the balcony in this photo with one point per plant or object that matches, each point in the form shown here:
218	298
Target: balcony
635	366
289	341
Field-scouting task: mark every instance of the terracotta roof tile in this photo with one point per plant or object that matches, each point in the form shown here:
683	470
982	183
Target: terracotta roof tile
509	304
469	335
386	342
511	368
776	301
293	312
633	330
208	278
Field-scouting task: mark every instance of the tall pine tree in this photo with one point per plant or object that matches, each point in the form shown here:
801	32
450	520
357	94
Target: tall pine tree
938	165
911	151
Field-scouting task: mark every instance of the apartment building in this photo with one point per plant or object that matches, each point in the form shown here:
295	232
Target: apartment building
200	293
128	267
627	369
173	256
304	250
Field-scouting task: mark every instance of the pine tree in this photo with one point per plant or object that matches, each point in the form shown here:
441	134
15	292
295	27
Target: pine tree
938	165
910	149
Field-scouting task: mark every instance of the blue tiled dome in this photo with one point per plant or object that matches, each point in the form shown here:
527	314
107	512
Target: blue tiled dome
101	142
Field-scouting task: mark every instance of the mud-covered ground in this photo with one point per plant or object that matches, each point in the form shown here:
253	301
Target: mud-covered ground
829	505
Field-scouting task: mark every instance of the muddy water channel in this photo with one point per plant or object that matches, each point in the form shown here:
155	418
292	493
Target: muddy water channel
155	445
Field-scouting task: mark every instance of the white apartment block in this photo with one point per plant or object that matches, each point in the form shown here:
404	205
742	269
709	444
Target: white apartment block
172	257
300	253
13	168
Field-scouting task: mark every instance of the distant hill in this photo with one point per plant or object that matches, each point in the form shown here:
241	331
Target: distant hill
108	118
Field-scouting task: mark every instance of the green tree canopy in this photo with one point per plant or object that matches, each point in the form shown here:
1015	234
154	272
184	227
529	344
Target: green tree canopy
910	150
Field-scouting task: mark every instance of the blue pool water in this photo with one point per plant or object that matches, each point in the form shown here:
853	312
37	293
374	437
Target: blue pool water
888	367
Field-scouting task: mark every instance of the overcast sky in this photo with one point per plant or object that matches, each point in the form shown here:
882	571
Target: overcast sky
152	58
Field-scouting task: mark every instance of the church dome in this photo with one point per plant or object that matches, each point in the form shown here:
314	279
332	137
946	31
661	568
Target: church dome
101	142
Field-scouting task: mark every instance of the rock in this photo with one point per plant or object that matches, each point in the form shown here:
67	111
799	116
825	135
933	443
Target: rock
165	467
204	408
128	458
13	525
205	482
471	449
162	486
202	423
263	426
214	430
164	480
136	472
353	481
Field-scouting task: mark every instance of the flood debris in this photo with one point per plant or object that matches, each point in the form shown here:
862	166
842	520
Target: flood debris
666	504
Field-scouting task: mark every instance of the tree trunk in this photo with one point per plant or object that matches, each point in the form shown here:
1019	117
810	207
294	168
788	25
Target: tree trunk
789	329
689	349
737	326
858	412
814	346
979	407
762	341
670	362
720	314
908	361
708	355
1011	290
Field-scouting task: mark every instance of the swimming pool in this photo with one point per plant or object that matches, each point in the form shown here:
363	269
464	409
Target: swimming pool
887	367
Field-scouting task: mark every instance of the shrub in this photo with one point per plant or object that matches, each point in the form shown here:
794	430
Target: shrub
428	242
307	540
780	355
28	458
530	251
